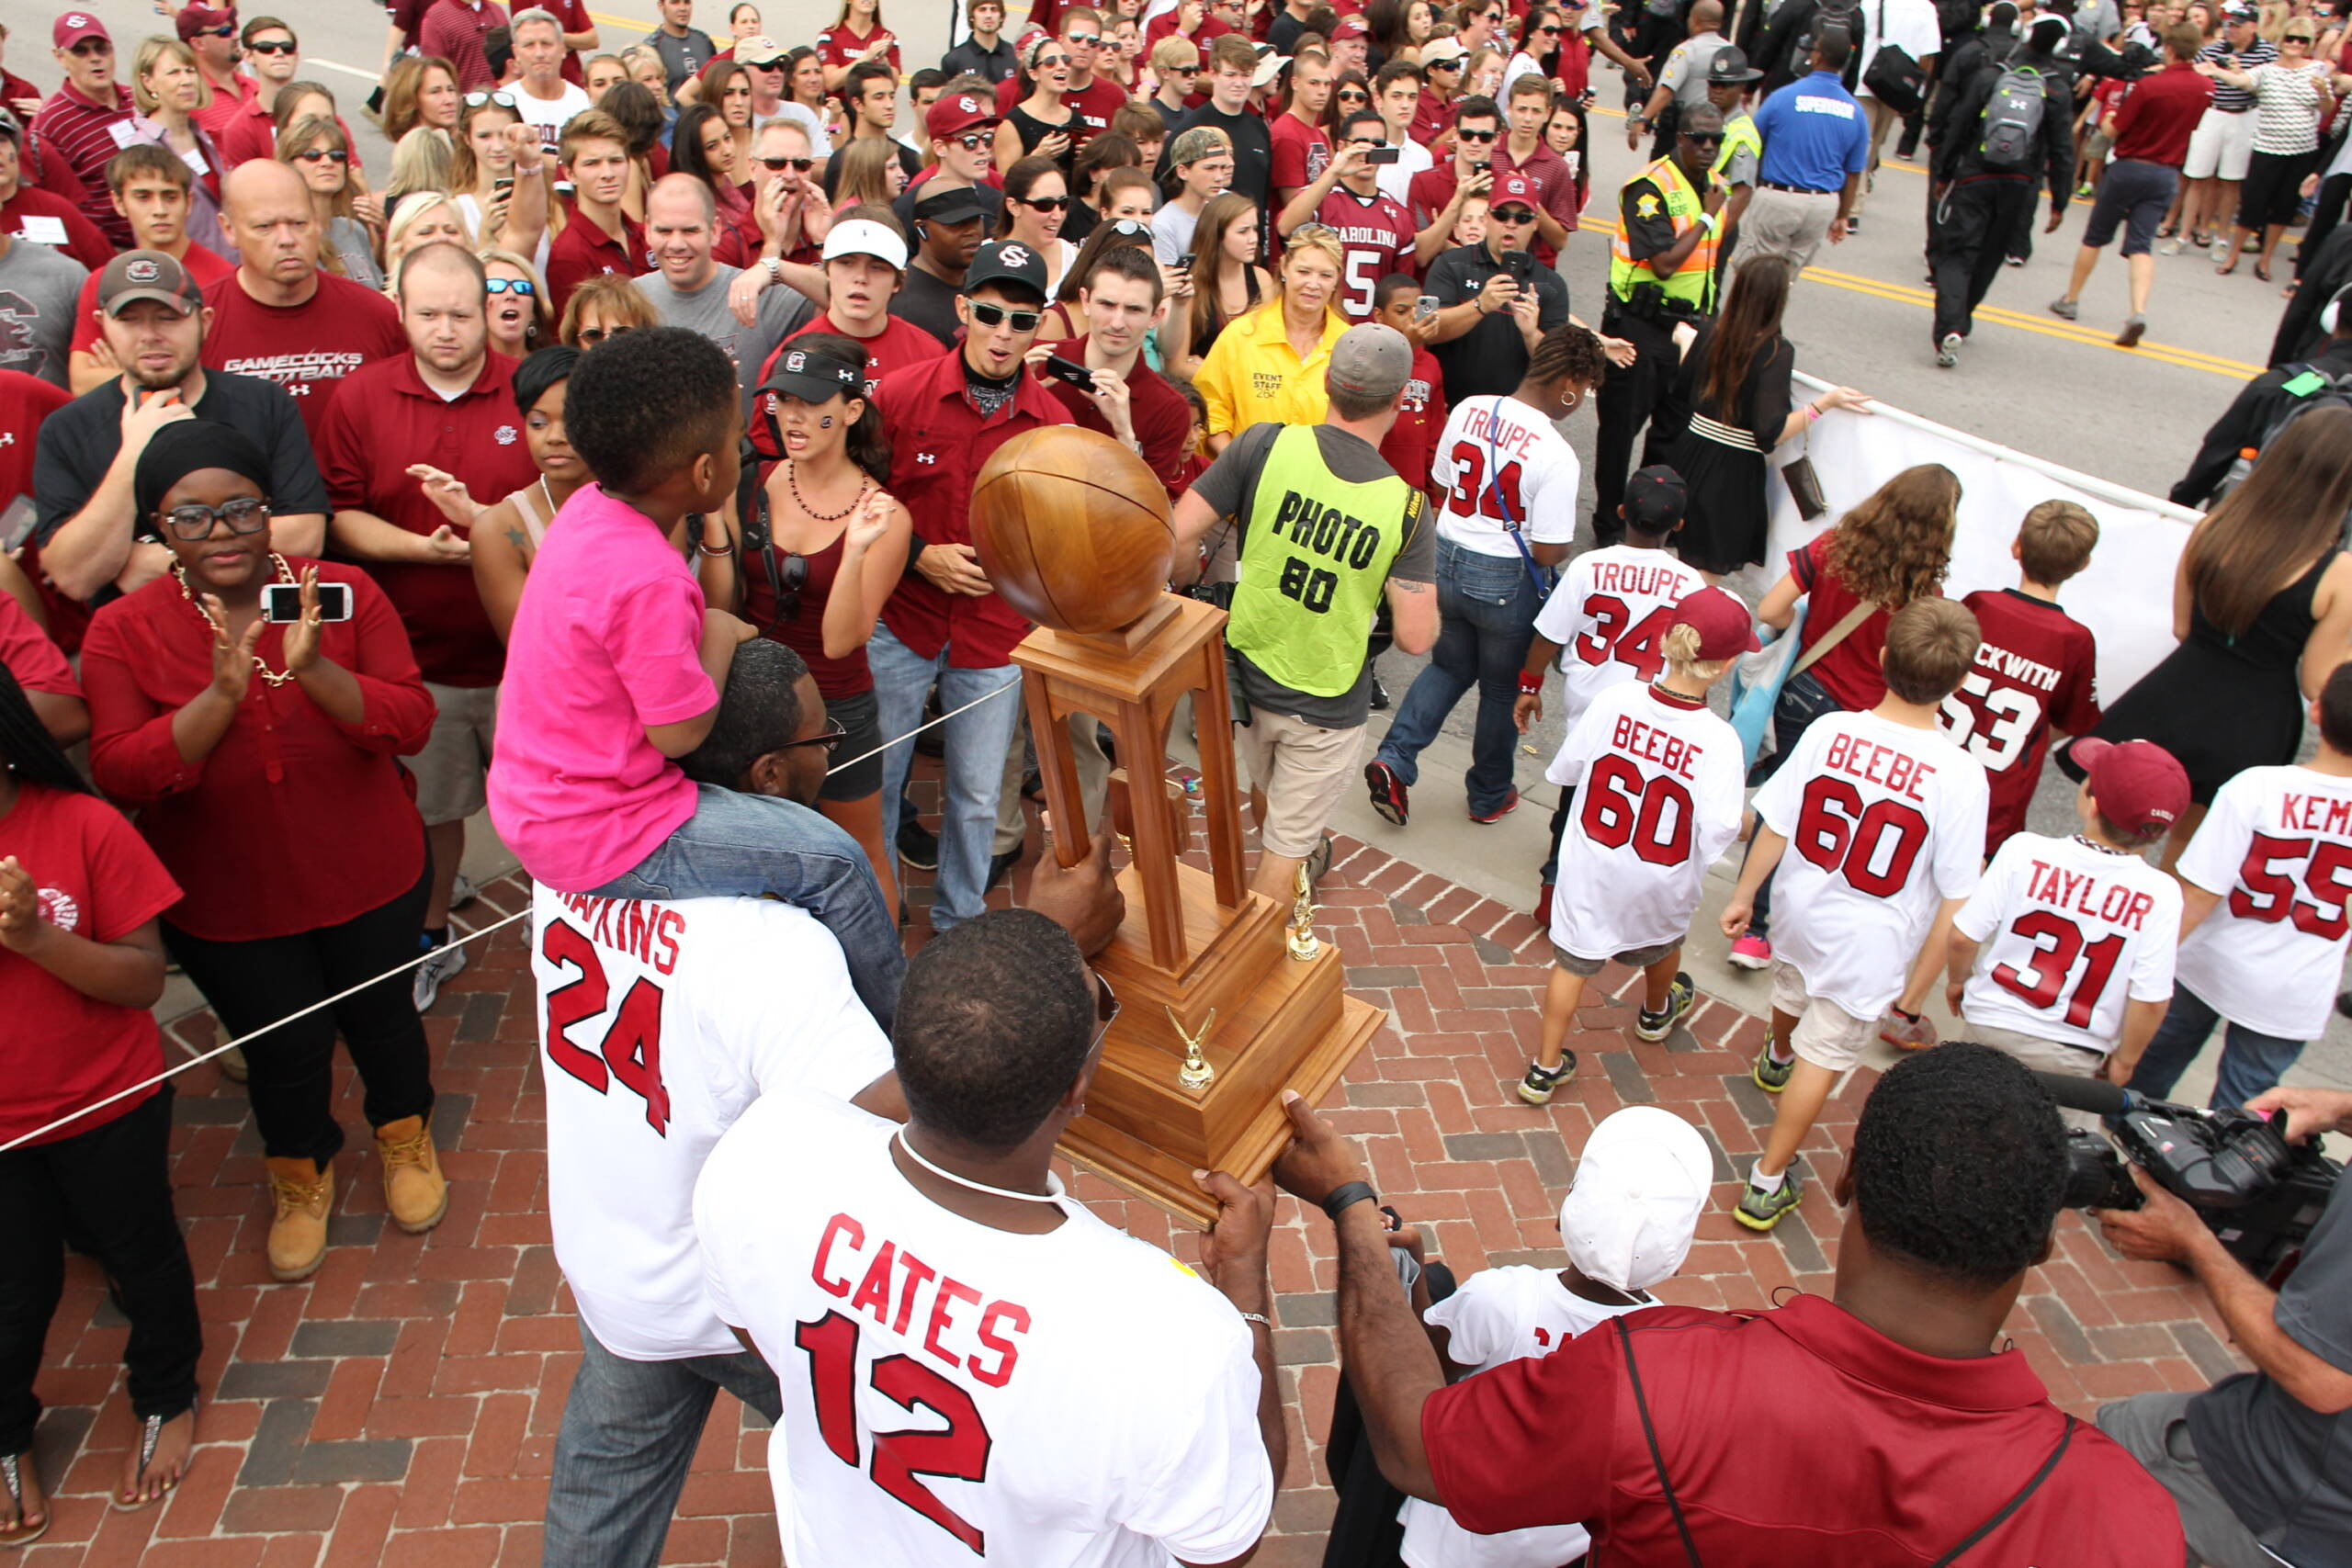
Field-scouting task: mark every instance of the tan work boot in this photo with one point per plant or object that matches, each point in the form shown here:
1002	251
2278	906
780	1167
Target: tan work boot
414	1194
297	1232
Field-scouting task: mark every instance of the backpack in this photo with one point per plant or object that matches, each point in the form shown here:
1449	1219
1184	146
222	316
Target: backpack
1846	13
2013	118
2307	387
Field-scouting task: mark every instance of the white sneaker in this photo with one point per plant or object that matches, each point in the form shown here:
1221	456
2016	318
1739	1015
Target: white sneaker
1948	350
463	892
448	959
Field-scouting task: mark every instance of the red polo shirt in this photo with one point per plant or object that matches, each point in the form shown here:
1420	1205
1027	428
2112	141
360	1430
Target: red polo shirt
583	251
309	348
898	344
1555	187
1430	190
2159	113
1926	1449
322	804
838	46
206	267
24	401
250	131
80	132
574	18
226	101
387	418
454	30
1158	412
938	443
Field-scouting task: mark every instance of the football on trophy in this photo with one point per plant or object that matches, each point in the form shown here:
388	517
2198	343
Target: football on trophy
1072	529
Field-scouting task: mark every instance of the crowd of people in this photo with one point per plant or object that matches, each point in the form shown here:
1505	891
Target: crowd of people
605	464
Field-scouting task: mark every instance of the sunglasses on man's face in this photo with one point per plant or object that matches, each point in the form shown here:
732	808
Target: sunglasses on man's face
1512	215
90	47
1082	40
226	30
974	142
271	46
1477	136
990	315
778	165
1706	138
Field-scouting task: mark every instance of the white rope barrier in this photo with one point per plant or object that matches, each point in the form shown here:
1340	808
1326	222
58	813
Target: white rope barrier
399	969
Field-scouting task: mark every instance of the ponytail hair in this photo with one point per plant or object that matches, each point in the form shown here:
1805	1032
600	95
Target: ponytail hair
27	748
1681	649
864	443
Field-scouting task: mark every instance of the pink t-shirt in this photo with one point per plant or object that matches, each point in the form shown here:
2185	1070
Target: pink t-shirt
605	644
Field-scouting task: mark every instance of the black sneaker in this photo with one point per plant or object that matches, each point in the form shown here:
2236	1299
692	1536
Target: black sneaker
1653	1027
1537	1086
1762	1211
1379	695
998	865
1389	796
919	847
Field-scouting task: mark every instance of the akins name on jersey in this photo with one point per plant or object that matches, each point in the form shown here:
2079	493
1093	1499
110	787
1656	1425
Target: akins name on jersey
647	932
886	1283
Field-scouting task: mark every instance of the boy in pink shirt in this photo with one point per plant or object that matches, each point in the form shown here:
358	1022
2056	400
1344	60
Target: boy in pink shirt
615	665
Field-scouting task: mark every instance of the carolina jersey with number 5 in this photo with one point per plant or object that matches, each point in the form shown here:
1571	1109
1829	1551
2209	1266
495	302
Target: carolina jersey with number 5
659	1024
2037	668
956	1393
1610	614
2277	847
1883	823
2068	933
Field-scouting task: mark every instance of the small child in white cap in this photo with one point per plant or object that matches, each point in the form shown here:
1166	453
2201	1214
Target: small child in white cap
1640	1186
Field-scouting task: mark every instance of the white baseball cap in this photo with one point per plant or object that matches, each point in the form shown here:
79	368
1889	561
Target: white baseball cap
1641	1184
863	237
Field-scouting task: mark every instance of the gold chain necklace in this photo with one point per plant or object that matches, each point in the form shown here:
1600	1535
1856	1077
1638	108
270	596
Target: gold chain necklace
285	574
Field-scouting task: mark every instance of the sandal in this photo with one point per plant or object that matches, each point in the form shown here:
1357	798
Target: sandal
12	1477
2262	271
150	1432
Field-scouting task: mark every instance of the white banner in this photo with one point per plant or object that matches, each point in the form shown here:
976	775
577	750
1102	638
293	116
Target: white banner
2124	595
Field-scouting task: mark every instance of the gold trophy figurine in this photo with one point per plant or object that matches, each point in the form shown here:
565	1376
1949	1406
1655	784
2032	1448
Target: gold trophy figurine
1196	1073
1302	946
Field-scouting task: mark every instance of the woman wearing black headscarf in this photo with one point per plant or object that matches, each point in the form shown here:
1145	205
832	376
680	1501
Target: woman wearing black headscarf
261	757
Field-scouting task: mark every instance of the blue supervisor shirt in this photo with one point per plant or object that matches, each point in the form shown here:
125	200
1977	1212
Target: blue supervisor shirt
1814	134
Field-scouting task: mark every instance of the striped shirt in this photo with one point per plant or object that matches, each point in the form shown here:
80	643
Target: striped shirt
2287	107
2227	98
86	134
453	29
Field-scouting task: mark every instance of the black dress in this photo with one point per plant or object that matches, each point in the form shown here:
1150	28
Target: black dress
2220	704
1723	456
1032	130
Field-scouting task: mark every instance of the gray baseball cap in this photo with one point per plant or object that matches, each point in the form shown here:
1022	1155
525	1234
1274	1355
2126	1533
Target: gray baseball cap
1371	361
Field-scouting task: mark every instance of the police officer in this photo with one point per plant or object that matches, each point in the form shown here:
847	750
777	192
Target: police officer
1661	272
1979	204
1729	76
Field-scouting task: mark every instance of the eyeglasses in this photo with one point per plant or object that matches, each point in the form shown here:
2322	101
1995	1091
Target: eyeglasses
1128	228
522	285
1367	142
1706	138
504	100
974	142
2298	37
778	165
592	336
1511	215
1106	1011
193	522
1351	95
1477	136
833	733
226	30
990	315
1547	27
1081	41
91	46
274	46
1183	70
1043	203
326	154
1442	65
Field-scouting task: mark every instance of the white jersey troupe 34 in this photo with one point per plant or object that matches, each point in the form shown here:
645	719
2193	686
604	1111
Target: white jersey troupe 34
1661	780
957	1393
1608	613
1500	1315
1862	800
2277	847
2069	930
659	1024
1503	466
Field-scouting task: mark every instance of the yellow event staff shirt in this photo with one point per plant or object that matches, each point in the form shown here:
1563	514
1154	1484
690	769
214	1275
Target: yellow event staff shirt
1253	376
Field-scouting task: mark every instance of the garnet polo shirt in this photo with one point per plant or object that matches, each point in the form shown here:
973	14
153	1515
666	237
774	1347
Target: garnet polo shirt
309	348
2159	113
1162	417
387	418
86	133
40	217
938	443
1793	1437
583	251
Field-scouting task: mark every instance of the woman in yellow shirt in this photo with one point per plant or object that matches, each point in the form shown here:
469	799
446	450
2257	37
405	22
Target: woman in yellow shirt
1269	363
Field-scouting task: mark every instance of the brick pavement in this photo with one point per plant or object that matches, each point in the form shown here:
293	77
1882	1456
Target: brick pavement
400	1407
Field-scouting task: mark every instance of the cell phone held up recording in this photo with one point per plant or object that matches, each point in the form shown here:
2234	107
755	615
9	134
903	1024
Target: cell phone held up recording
1521	265
501	184
1070	371
281	603
1382	155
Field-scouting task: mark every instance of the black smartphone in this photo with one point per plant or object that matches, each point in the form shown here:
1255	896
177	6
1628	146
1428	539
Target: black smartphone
1185	261
1382	155
282	601
1521	265
504	182
1069	370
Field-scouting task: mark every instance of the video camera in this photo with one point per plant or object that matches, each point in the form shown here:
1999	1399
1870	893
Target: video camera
2255	1190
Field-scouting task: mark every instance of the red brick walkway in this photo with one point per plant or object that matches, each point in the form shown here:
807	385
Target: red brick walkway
400	1407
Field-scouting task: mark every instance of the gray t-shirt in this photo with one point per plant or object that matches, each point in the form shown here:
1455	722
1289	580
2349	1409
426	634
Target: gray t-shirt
782	312
39	288
2284	1469
1686	68
1232	487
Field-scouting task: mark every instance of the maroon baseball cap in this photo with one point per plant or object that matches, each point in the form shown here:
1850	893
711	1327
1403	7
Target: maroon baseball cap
201	19
73	27
1350	27
1512	188
2139	786
952	114
1725	627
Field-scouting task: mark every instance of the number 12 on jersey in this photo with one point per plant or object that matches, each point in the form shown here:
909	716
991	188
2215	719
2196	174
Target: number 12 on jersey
957	1451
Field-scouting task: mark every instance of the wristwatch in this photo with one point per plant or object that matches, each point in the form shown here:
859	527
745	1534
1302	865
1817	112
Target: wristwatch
776	269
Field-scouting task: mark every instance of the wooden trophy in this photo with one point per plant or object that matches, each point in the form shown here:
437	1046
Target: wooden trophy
1221	1009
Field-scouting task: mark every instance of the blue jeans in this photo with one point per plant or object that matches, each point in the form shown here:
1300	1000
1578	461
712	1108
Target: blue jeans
1802	700
741	846
2250	1062
971	772
630	1432
1487	607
